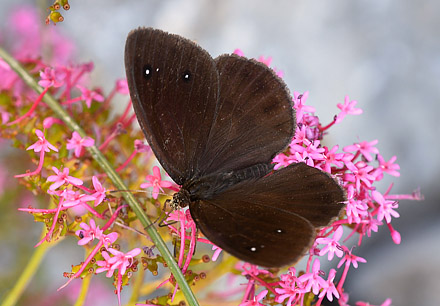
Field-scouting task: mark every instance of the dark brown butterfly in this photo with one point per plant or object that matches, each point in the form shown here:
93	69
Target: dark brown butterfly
215	125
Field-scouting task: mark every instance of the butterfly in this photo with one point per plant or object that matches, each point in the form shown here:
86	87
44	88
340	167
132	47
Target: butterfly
215	125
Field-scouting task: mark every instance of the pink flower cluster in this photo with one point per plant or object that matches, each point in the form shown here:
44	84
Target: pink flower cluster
78	197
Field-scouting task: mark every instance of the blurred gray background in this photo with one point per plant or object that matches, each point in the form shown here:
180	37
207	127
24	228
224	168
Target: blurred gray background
383	53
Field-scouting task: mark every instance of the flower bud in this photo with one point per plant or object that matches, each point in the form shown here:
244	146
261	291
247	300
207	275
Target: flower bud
395	235
65	4
56	17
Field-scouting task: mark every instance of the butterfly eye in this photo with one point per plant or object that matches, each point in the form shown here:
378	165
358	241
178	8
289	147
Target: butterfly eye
186	76
148	71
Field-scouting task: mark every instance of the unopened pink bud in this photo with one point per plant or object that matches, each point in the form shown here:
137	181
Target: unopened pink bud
395	235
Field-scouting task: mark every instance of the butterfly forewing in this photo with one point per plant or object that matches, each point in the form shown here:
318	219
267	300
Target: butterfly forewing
254	119
174	88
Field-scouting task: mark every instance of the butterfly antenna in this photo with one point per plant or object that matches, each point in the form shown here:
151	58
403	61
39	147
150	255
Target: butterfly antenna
162	222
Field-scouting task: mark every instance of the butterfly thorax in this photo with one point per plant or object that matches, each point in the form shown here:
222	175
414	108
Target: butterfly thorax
180	199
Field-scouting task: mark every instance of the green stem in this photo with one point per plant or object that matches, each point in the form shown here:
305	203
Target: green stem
28	272
117	181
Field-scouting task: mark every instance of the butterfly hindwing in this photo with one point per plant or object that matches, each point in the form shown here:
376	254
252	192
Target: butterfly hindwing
279	211
307	191
270	238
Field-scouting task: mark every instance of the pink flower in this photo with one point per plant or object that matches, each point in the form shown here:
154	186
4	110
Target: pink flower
41	144
282	160
88	95
73	198
386	207
104	265
77	143
364	147
62	178
314	151
291	288
347	108
370	224
156	182
250	269
119	261
140	146
304	158
330	157
355	208
88	232
99	191
300	107
256	300
349	258
109	239
300	136
330	289
52	77
389	167
313	280
122	261
332	245
122	87
360	174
